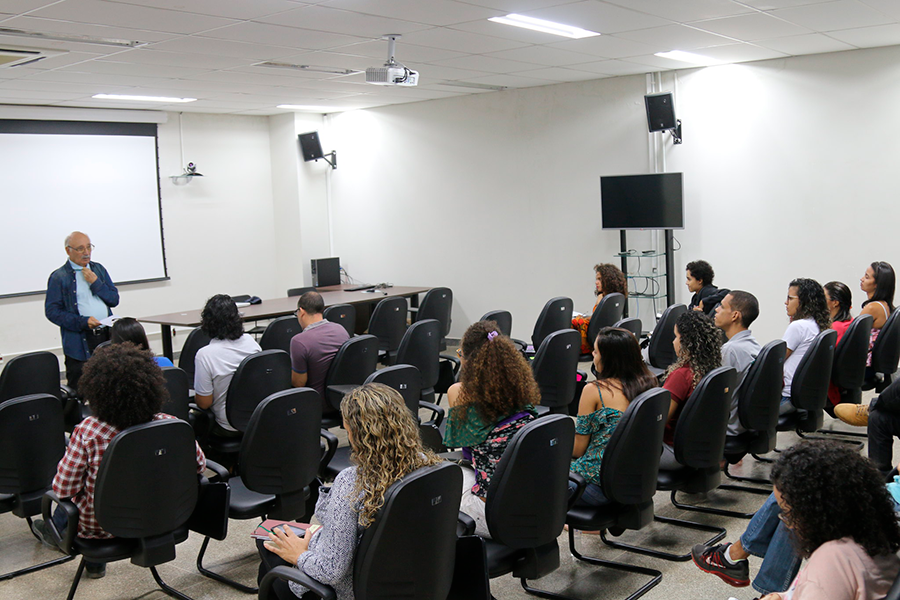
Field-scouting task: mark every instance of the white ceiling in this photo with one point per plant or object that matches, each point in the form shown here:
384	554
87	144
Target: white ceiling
206	49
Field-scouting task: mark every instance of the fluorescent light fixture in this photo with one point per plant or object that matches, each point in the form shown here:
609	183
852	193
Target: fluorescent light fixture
312	68
544	26
474	86
141	98
65	37
688	57
315	109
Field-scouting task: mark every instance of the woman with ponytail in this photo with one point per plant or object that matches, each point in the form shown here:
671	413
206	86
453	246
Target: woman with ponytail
492	401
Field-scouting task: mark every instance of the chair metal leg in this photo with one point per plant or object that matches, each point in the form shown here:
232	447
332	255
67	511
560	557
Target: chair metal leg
656	575
220	578
32	569
747	479
764	460
709	510
77	579
858	445
165	587
846	433
719	535
542	593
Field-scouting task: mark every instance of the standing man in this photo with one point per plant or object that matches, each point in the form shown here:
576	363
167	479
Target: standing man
80	294
734	316
313	349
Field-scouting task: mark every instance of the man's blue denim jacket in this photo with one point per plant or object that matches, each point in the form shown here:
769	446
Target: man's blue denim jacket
61	306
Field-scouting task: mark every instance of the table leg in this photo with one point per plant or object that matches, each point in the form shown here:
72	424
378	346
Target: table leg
167	342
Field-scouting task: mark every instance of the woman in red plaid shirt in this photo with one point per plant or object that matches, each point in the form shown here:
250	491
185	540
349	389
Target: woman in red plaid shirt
124	387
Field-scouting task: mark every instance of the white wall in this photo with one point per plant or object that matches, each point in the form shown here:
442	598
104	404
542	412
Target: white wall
788	171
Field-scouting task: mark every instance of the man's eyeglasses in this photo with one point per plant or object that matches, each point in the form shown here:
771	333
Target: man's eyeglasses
82	248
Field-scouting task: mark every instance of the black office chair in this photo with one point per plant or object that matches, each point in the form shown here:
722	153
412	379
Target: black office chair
894	592
146	490
279	458
554	367
692	466
628	473
344	315
356	359
661	352
555	316
178	387
421	347
195	340
885	354
503	319
408	550
32	442
299	291
388	324
527	501
632	324
279	333
38	373
809	388
607	312
848	371
437	304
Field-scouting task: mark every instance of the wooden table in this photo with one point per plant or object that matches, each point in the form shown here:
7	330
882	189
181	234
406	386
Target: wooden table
277	307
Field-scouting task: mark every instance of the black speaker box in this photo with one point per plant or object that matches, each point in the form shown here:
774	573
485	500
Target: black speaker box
310	146
660	111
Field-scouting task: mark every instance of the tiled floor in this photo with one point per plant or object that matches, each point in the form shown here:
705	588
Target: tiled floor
237	558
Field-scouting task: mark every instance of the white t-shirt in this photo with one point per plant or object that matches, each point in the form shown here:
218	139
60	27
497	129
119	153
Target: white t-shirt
798	336
214	366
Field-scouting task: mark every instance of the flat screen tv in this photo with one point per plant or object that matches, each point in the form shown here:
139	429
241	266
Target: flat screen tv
653	201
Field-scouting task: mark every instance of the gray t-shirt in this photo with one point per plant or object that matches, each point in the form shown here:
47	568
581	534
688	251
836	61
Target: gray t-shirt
739	352
313	349
214	366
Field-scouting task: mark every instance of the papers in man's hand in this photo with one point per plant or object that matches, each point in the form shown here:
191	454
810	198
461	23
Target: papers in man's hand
108	321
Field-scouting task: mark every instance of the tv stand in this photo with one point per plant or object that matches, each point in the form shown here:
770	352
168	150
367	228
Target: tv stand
668	277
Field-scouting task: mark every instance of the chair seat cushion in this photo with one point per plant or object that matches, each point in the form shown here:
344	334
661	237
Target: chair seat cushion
247	504
672	474
591	518
7	502
224	445
501	559
737	444
112	549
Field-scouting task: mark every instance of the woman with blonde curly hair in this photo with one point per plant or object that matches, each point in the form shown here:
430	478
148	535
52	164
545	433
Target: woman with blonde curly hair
492	401
698	346
385	444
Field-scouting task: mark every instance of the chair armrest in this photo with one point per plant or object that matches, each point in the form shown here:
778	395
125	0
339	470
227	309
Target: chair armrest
297	576
452	359
581	483
331	444
64	541
221	472
467	523
437	413
519	344
66	392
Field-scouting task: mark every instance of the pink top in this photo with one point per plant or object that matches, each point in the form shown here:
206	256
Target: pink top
841	570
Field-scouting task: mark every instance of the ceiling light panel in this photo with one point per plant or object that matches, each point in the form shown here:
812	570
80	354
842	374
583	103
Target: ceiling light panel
128	98
544	26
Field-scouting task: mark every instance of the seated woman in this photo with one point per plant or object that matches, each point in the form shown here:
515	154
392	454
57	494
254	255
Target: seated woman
851	539
878	284
839	301
609	279
805	306
699	276
698	346
124	387
127	329
385	444
621	377
493	399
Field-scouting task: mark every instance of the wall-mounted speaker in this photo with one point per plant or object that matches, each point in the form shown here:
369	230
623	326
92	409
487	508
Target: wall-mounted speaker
311	146
660	111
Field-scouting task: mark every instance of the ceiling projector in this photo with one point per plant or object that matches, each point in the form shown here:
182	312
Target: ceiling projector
392	73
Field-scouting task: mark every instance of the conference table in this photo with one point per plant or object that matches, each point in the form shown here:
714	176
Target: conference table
278	307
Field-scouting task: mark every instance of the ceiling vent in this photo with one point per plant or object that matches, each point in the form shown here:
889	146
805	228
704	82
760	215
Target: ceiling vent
14	56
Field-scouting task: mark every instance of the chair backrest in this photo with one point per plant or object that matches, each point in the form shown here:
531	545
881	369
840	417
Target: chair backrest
179	387
344	315
556	315
503	319
555	366
356	359
299	291
147	483
607	312
894	592
279	333
886	351
280	450
849	368
406	379
437	304
421	347
809	388
661	352
527	497
32	442
408	550
195	340
632	324
759	394
631	459
31	373
257	377
388	323
700	431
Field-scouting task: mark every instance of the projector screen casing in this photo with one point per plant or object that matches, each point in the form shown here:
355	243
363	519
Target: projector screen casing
652	201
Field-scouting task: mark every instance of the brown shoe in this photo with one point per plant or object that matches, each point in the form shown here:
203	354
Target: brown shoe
853	414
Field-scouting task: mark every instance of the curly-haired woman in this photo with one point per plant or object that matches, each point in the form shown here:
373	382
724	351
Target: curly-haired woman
698	346
124	387
829	505
609	279
808	311
385	444
493	399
